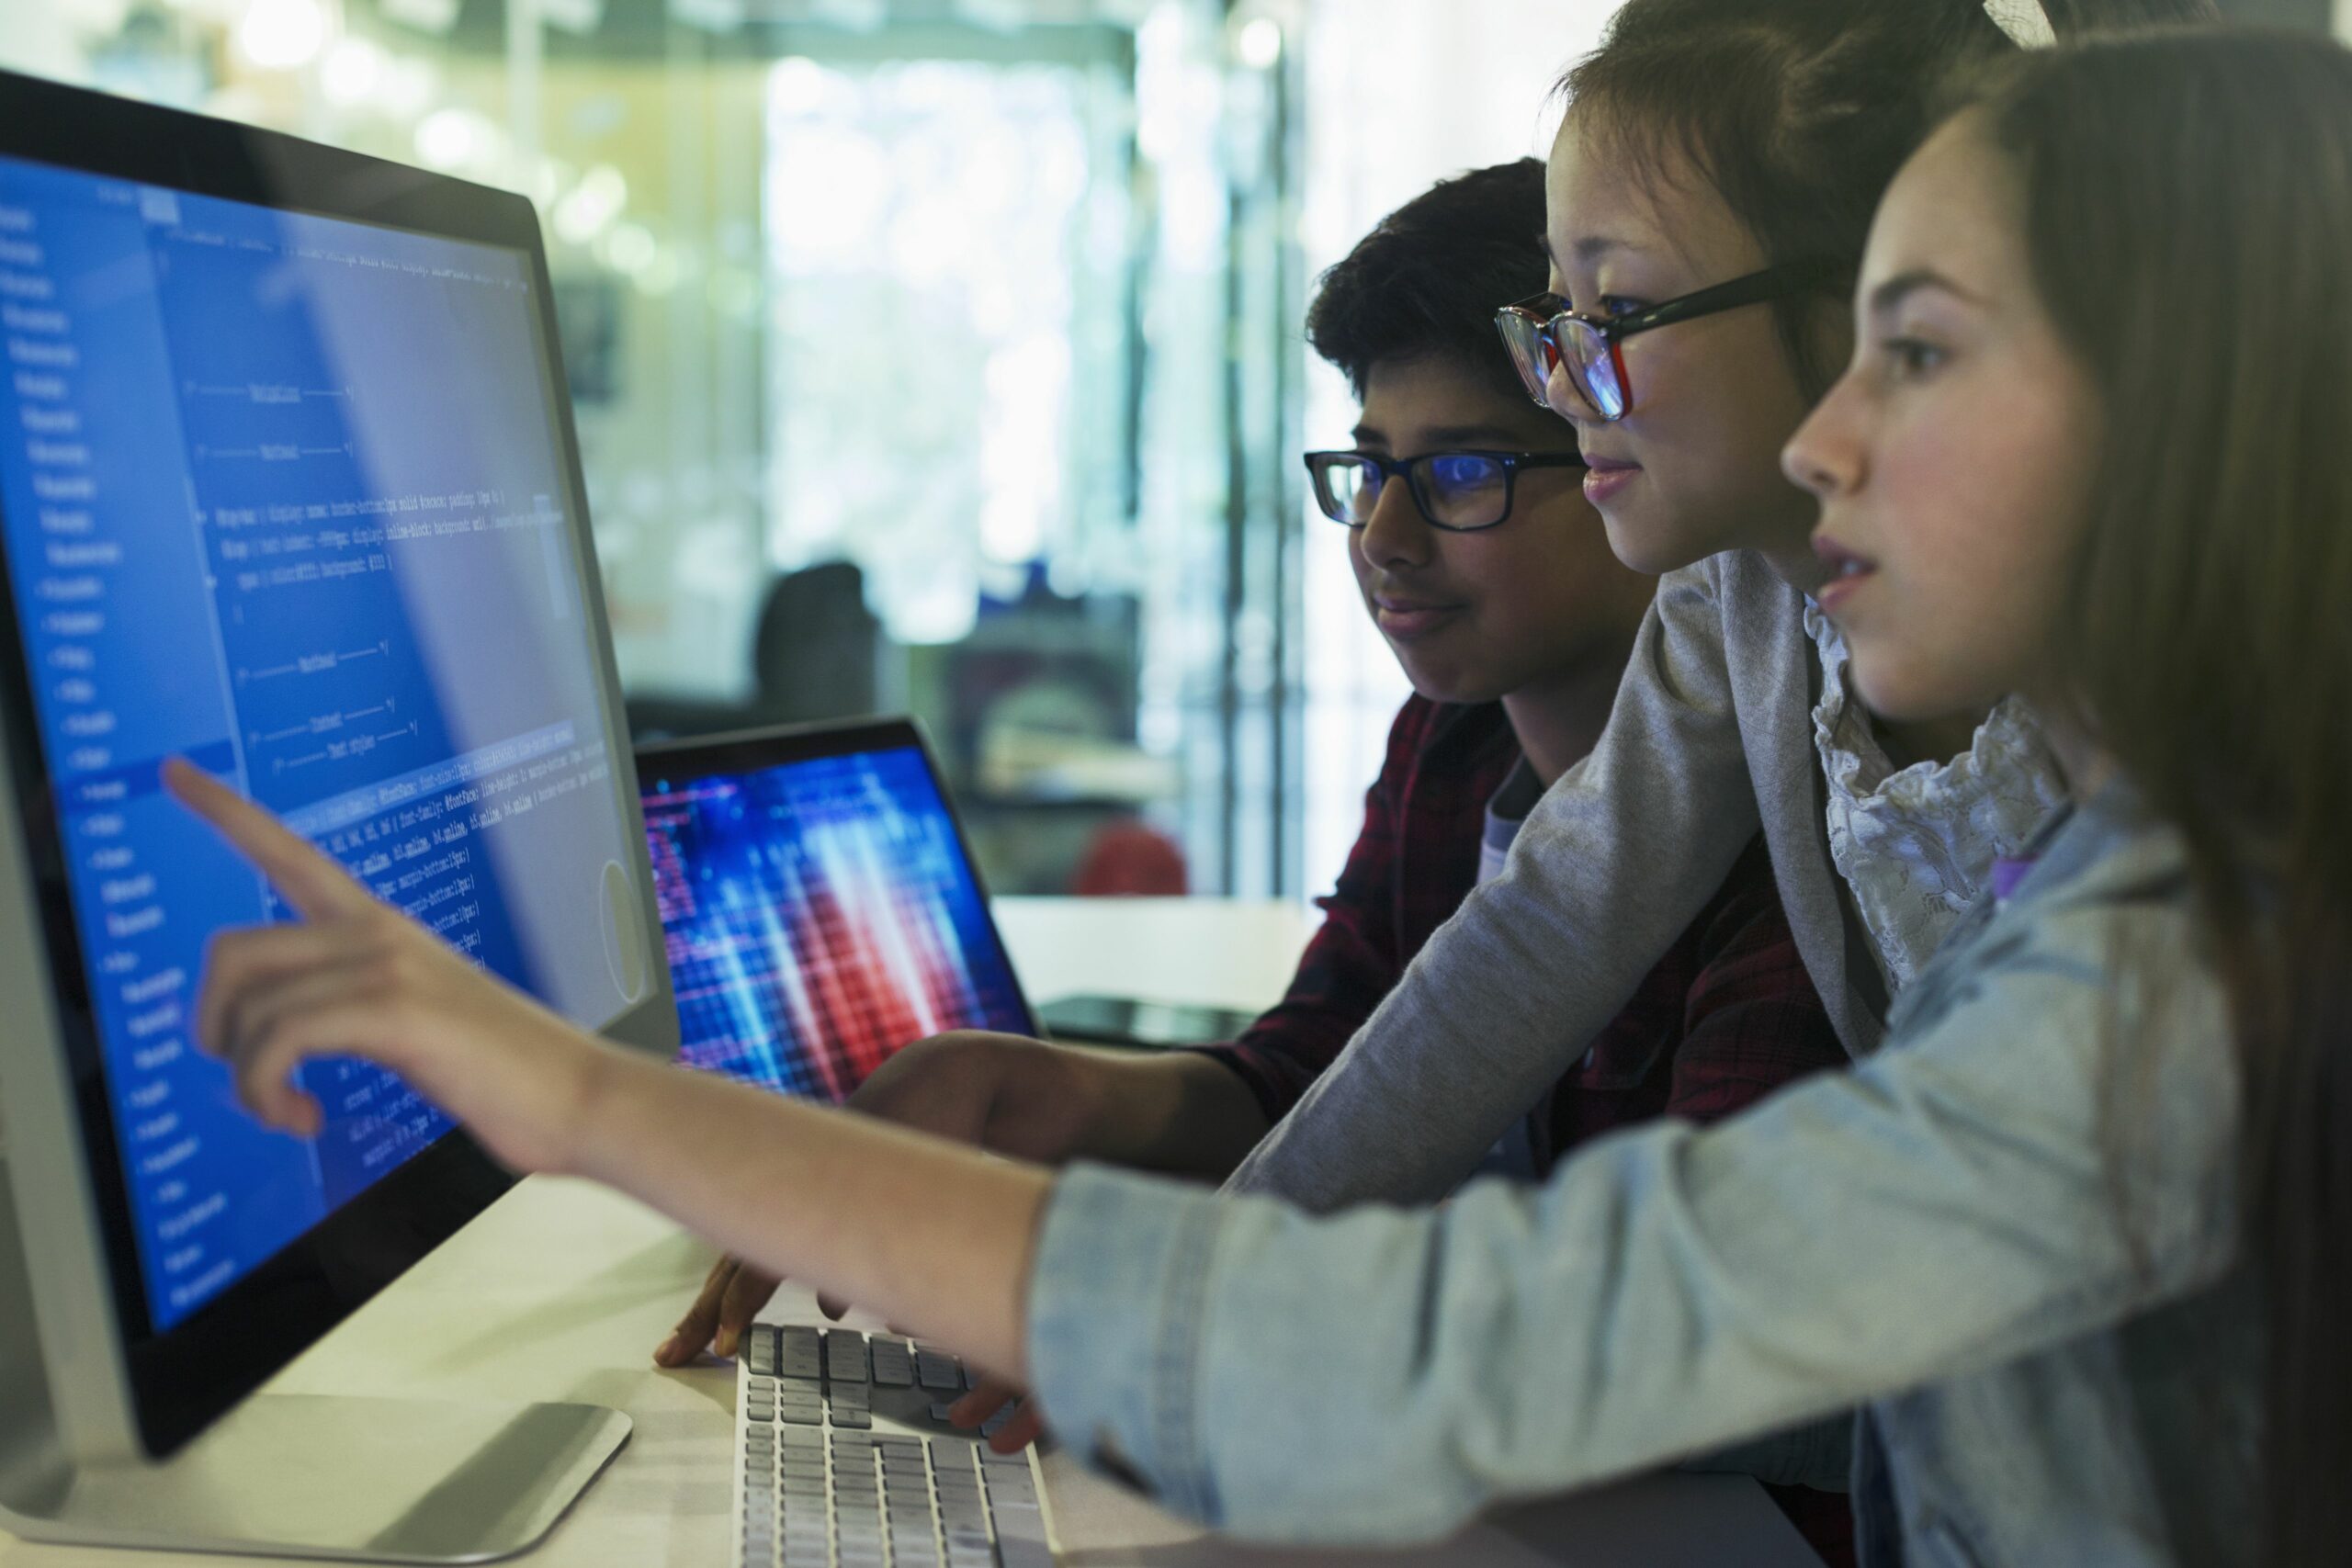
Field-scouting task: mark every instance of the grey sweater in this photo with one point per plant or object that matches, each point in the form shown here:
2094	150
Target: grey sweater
1710	736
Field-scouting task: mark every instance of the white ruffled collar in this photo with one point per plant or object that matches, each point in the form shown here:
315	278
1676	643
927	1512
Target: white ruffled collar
2008	743
1916	844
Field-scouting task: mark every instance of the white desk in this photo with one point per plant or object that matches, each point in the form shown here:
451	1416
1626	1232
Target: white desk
561	1290
1208	952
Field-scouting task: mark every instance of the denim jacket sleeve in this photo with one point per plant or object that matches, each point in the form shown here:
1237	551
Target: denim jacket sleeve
1957	1201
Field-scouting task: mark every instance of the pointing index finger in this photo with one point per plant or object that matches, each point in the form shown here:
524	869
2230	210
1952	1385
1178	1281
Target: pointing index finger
314	885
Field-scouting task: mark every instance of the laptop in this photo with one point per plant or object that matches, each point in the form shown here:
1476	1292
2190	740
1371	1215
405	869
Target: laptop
819	903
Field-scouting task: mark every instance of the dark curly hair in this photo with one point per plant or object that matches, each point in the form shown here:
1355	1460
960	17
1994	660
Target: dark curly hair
1427	282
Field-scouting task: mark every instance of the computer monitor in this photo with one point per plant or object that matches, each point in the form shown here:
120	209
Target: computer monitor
288	486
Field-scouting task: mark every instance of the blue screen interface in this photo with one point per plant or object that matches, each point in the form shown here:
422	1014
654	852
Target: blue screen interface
288	496
818	915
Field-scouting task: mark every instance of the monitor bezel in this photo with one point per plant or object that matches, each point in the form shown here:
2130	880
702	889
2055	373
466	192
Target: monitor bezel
178	1381
752	751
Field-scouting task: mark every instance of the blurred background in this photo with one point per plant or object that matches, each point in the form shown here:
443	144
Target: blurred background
943	356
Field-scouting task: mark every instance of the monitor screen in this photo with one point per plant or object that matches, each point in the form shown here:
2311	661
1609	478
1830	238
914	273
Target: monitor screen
820	914
288	496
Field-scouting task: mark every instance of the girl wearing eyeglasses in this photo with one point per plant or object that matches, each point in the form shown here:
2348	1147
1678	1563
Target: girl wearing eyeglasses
1707	199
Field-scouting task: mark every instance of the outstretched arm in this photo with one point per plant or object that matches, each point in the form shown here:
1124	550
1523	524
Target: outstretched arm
934	1236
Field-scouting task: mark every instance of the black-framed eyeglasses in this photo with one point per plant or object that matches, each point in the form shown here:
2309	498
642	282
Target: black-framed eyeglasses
1542	333
1458	491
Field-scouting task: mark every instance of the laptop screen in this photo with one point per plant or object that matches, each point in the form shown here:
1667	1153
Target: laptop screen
820	914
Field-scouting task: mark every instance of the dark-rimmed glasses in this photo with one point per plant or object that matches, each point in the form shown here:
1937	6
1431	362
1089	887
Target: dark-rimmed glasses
1542	333
1458	491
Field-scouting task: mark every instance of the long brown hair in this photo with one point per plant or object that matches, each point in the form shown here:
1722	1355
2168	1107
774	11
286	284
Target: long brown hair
1799	112
2189	202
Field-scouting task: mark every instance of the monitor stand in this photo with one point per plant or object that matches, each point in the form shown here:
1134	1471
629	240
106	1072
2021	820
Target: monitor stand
295	1475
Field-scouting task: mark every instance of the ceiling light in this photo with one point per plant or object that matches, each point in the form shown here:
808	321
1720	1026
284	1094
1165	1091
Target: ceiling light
1261	43
281	35
352	70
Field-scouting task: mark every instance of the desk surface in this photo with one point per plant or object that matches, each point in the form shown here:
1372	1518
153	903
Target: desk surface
560	1291
1208	952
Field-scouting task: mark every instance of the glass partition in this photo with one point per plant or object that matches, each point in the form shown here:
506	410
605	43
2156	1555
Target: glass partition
940	355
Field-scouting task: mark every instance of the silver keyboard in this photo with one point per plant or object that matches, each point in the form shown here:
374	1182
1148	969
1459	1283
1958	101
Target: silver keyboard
846	1460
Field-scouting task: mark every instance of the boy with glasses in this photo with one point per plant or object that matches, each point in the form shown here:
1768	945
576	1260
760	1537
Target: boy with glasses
1493	582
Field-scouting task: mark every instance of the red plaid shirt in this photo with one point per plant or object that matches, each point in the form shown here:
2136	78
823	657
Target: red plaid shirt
1729	1015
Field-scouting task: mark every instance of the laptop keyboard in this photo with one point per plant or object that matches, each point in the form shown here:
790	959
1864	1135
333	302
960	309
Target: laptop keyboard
847	1461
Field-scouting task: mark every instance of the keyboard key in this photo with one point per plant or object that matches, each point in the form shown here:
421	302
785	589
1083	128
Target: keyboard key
799	1354
1023	1520
1024	1553
894	1365
845	1356
759	1349
936	1369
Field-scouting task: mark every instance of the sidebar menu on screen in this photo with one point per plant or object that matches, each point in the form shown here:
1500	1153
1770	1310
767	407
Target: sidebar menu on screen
107	566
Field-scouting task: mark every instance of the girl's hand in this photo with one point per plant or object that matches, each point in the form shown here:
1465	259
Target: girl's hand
355	978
